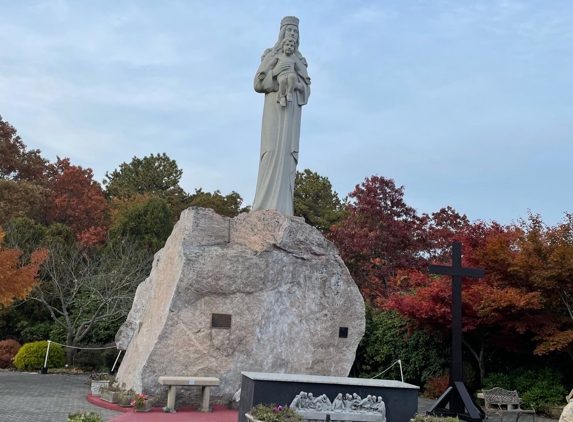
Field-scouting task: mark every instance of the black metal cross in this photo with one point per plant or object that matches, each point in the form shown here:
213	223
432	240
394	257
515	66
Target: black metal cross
457	395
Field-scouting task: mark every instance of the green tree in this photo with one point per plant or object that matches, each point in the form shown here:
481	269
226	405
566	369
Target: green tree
24	234
154	174
315	200
228	205
387	339
150	223
59	233
24	199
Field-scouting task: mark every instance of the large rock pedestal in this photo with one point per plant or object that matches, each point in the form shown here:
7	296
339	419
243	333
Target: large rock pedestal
283	284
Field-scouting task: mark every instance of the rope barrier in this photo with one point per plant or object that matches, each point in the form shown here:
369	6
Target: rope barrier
45	368
390	367
83	348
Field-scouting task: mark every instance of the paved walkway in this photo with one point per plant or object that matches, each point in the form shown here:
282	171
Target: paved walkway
30	397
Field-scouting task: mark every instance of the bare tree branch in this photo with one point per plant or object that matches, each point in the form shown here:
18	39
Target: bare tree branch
83	288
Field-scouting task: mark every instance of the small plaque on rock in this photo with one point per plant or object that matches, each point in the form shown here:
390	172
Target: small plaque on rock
220	321
343	332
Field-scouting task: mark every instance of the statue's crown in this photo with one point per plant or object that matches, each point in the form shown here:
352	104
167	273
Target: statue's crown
289	20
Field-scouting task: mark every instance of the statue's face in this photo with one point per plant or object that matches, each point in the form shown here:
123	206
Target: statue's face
291	31
289	46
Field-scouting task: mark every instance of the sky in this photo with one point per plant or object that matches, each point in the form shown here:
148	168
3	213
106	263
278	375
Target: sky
465	103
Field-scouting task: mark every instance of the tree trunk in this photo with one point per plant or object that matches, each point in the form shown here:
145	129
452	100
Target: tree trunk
69	350
480	357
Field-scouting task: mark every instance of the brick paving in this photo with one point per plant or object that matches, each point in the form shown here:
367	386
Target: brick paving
31	397
424	404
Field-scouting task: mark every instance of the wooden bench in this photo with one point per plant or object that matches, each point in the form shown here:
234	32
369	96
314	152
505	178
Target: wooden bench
497	400
204	382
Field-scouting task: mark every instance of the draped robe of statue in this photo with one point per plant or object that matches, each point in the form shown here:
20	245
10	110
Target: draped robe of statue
279	138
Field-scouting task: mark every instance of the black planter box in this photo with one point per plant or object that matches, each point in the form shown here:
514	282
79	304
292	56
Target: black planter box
401	399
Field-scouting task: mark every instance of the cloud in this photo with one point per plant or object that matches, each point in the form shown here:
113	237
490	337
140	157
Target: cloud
455	100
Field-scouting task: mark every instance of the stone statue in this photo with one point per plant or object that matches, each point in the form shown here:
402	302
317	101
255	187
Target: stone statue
283	78
323	403
382	408
356	400
365	404
311	401
296	402
338	404
351	406
348	402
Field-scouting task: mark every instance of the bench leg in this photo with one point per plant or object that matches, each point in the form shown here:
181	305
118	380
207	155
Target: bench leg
171	397
205	394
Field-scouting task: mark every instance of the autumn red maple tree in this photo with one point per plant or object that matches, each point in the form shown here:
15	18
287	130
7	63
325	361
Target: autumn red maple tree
497	310
381	235
78	201
16	161
545	264
17	280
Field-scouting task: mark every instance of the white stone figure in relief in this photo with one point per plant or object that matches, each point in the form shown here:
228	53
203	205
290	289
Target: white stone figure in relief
348	402
311	401
303	400
296	402
365	404
338	404
324	403
343	403
382	408
280	132
356	400
373	404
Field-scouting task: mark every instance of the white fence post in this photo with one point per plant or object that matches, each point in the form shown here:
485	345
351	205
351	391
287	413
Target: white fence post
45	368
116	359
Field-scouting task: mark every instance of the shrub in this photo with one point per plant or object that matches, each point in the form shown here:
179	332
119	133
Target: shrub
275	413
31	331
435	387
539	388
31	356
8	350
84	417
387	339
94	359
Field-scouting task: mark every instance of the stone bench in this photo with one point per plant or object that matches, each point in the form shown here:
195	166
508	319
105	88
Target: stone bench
204	382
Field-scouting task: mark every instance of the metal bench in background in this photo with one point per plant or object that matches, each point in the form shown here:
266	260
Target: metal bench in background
498	400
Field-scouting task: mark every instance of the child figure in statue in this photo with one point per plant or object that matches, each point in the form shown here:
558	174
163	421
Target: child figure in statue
286	66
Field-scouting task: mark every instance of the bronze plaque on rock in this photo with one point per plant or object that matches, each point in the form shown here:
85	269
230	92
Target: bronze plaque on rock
220	321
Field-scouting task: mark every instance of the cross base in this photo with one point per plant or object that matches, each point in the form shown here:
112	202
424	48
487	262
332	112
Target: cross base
459	401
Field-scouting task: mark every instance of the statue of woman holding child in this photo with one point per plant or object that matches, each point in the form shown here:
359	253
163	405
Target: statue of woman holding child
283	78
